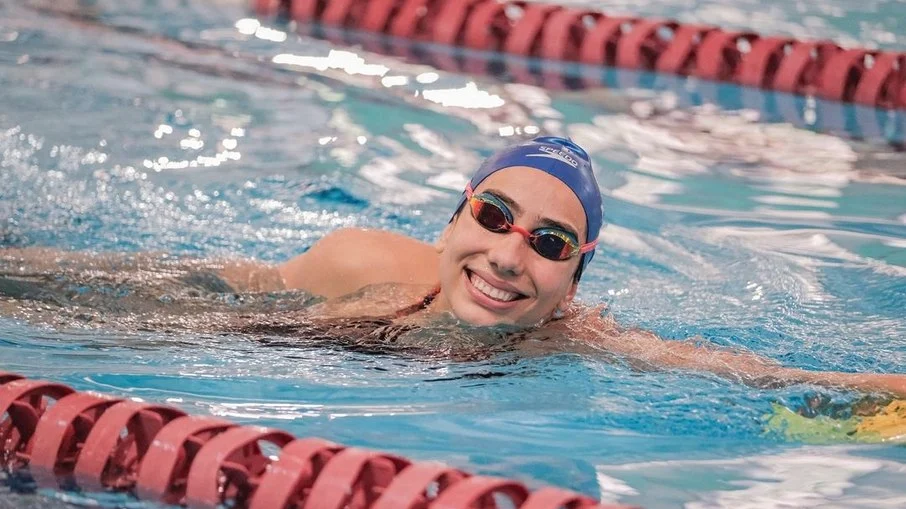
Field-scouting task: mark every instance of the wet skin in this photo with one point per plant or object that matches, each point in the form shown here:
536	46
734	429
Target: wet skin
489	278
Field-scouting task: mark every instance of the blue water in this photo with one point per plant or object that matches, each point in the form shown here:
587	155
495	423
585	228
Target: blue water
167	126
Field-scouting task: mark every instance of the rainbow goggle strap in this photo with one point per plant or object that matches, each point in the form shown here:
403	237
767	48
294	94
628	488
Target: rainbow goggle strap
551	243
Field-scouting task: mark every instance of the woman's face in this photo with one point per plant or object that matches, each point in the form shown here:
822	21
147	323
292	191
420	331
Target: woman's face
490	278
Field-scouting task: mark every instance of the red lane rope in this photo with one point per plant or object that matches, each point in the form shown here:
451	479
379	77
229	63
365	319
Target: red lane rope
112	456
821	68
62	437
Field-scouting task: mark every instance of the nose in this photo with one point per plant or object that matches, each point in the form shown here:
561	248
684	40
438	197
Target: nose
506	255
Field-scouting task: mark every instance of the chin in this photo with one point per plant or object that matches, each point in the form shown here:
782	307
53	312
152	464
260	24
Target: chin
477	316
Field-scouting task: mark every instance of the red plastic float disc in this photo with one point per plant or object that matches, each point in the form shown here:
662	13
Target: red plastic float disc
841	74
288	481
718	55
555	498
564	32
642	46
354	479
799	70
23	402
880	83
410	20
266	7
759	67
600	44
408	490
163	472
525	36
474	492
305	10
488	27
345	13
336	12
109	458
234	457
680	55
60	434
451	20
8	377
378	14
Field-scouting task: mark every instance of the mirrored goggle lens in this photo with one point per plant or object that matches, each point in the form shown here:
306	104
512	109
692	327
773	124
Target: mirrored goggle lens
552	246
489	215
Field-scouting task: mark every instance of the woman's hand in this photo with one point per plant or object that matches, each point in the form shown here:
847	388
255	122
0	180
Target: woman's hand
698	355
892	384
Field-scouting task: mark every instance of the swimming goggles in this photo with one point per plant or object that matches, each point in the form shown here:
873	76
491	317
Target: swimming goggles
552	243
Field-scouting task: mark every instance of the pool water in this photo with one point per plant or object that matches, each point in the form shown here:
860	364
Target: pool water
187	127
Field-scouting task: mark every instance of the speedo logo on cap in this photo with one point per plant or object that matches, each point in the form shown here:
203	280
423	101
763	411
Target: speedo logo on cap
560	155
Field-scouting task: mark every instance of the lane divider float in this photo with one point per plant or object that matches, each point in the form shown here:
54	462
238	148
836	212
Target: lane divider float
66	439
530	29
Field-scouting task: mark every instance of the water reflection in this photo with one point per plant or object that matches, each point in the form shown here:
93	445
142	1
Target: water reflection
806	477
744	220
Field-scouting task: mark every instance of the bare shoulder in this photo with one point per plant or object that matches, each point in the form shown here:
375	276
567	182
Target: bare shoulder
375	300
374	239
349	259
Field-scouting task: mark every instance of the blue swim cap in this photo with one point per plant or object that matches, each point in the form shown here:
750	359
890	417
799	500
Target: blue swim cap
563	159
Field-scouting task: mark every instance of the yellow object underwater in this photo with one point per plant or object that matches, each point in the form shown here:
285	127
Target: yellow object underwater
887	425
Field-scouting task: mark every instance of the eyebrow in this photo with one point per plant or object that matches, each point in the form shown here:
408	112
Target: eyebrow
544	221
506	199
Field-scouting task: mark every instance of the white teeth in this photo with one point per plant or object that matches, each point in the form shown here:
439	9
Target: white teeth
494	293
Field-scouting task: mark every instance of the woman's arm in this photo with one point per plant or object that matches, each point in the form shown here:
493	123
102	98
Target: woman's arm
347	260
250	276
749	368
239	275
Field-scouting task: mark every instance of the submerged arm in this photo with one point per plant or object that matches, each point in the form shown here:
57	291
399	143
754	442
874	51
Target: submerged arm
145	267
738	365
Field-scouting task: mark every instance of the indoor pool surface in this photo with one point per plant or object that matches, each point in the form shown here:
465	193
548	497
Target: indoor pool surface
190	129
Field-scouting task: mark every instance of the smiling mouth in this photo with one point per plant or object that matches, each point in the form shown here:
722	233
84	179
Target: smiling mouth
490	291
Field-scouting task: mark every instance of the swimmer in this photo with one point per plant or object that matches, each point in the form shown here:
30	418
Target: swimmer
513	254
512	257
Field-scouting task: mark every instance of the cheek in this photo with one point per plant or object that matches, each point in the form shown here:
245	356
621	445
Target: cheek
554	279
465	240
458	247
